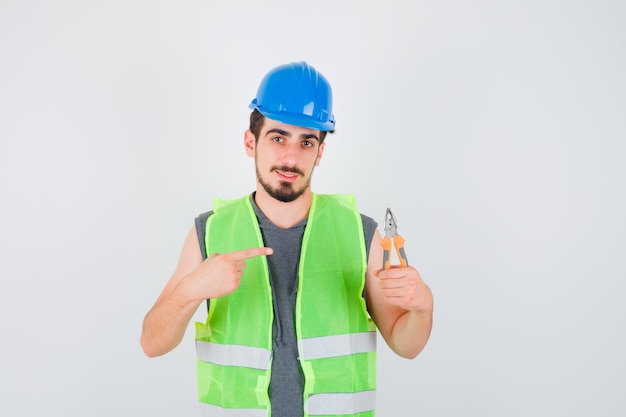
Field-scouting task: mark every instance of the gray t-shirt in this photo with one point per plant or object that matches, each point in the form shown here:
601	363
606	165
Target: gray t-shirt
287	382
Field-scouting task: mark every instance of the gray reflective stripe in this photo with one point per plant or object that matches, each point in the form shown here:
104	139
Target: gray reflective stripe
208	410
341	345
233	355
341	403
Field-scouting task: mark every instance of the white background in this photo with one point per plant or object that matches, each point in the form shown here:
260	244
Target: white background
494	130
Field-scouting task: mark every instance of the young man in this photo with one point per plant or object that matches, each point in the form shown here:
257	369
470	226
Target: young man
293	279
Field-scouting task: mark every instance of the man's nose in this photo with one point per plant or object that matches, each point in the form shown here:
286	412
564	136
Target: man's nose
290	154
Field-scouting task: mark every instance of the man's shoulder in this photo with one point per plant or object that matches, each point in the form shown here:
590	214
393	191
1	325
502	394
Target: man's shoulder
202	217
219	203
368	220
369	227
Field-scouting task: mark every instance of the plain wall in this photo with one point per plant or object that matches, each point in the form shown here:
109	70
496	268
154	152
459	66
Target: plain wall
494	130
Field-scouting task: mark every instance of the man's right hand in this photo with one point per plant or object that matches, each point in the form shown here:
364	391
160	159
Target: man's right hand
193	281
220	274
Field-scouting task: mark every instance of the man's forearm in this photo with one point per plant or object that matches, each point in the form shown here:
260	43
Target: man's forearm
165	324
411	332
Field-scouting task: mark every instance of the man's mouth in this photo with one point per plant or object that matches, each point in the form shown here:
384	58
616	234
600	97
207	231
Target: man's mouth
288	173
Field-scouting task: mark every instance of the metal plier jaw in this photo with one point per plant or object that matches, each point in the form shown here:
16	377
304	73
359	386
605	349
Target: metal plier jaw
391	234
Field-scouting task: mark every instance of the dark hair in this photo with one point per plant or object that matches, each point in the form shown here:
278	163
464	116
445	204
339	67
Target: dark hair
256	124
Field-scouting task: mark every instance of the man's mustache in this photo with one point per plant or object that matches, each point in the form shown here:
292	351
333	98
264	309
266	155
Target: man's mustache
286	168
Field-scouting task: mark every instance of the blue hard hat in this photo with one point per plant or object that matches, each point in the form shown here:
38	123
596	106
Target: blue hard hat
296	94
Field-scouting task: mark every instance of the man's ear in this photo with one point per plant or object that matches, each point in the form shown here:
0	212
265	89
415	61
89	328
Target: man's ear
320	151
249	142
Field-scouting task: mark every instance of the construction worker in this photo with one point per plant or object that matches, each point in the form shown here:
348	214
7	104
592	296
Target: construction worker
293	279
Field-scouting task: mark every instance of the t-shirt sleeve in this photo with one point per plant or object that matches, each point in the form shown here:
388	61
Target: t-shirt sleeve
201	229
369	227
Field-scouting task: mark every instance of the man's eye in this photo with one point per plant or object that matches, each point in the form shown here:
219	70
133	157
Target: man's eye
277	139
307	143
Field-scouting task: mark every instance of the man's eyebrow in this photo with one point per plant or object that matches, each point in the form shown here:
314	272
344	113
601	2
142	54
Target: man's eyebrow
309	136
287	134
279	131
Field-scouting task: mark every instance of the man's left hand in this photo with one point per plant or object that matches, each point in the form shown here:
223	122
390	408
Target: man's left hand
404	287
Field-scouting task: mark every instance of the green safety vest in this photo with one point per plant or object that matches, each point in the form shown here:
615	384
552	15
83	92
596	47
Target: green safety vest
336	337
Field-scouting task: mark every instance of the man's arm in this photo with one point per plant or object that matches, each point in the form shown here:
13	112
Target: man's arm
400	303
193	282
165	324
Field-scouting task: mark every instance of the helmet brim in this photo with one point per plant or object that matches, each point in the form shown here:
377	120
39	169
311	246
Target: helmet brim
297	119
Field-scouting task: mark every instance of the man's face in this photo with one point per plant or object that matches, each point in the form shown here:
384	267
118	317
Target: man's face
285	156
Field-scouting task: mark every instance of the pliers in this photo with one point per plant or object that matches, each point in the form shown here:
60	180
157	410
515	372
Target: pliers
391	232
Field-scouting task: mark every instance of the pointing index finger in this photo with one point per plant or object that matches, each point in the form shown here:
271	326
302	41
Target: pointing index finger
250	253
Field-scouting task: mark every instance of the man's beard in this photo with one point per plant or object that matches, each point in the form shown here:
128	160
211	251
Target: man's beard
285	191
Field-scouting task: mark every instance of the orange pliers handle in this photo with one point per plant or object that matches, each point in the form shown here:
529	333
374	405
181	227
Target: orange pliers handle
392	237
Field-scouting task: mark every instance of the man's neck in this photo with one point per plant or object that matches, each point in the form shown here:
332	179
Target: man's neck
284	215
